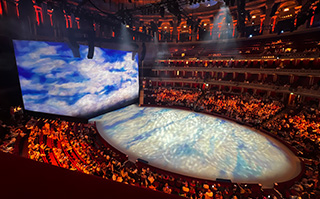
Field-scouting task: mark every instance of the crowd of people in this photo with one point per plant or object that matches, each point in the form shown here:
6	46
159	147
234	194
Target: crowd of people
9	137
79	147
243	108
231	63
300	128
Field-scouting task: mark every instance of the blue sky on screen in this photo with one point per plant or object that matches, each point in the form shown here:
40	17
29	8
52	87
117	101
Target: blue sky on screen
53	81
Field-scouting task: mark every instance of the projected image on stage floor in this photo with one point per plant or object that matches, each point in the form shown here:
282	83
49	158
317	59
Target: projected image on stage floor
198	145
53	81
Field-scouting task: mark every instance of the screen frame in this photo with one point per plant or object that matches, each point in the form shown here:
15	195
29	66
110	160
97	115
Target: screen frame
109	46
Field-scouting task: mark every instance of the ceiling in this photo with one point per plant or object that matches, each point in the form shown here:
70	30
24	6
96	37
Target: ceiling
136	6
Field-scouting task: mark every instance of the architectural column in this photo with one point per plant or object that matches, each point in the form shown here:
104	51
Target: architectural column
193	37
269	5
291	79
174	30
291	99
275	77
259	77
234	28
311	80
141	98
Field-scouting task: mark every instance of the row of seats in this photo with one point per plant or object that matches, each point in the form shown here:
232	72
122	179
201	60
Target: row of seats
243	108
78	147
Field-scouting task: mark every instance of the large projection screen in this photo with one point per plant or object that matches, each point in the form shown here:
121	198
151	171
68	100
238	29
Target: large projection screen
53	81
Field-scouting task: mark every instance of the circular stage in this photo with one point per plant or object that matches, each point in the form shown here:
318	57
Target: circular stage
198	145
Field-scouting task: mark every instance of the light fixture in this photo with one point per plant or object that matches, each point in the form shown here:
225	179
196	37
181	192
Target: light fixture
286	9
254	16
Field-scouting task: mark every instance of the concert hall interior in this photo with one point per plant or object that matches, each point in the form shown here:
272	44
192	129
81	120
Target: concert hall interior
196	99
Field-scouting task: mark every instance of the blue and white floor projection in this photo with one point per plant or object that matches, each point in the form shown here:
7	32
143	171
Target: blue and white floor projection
198	145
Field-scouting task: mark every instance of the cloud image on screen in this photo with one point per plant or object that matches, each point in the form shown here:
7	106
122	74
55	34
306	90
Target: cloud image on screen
53	81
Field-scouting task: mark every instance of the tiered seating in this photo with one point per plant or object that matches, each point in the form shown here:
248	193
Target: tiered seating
10	143
248	109
300	129
79	147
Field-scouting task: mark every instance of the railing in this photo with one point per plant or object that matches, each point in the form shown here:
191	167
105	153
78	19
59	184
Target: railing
300	72
260	86
24	178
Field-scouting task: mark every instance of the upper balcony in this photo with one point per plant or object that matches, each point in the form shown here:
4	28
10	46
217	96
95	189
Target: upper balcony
156	21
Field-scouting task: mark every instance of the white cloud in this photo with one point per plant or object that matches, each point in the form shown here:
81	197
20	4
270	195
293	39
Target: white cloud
27	84
31	97
47	65
96	73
